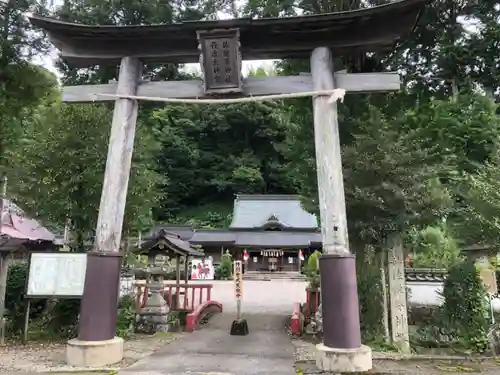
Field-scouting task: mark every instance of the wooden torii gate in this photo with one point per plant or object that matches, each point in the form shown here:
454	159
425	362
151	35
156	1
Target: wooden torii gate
220	47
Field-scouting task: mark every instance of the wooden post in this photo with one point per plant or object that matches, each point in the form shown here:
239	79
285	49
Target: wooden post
186	270
26	321
178	270
121	146
397	293
238	286
328	157
239	327
339	295
101	291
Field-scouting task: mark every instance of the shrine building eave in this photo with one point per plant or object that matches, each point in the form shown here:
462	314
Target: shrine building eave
365	30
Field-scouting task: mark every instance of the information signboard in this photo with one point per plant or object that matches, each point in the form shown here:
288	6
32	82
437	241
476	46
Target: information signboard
59	275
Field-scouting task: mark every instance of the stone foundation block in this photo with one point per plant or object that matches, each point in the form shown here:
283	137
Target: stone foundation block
343	360
94	353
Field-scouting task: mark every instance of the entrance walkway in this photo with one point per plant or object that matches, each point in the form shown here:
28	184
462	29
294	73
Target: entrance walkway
213	351
267	297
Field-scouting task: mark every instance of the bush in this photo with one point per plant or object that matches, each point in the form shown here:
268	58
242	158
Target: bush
14	298
63	318
433	247
225	268
126	317
52	319
370	295
465	311
312	270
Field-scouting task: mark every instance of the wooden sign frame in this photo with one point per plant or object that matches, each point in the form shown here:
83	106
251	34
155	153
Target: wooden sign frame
81	262
220	61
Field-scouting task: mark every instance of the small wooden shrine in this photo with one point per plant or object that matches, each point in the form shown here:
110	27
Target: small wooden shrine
179	296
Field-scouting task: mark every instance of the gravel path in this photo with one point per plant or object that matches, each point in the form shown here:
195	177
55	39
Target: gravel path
276	296
393	363
259	297
38	357
214	351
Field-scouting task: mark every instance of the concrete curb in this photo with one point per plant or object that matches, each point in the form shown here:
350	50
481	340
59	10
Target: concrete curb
416	357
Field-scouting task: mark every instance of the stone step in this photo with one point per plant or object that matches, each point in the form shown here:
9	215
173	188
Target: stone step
273	276
256	322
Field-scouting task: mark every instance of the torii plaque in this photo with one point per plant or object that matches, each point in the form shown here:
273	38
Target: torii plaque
316	37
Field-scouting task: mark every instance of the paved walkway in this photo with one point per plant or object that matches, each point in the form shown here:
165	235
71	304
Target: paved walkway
212	350
273	297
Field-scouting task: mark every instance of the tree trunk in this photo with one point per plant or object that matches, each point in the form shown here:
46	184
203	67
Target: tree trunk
4	263
385	306
4	269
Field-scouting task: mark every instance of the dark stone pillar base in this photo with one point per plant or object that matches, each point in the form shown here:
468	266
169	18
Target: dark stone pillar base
100	297
239	328
339	299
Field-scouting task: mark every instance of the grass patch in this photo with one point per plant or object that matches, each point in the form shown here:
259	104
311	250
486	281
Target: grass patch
163	334
101	371
458	368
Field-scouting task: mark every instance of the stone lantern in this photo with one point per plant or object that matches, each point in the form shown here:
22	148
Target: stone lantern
152	312
153	316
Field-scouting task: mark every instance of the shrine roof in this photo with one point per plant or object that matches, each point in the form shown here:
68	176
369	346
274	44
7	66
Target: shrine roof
185	232
260	239
168	241
18	229
364	30
265	211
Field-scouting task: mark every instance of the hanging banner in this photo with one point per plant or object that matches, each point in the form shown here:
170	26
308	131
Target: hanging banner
272	253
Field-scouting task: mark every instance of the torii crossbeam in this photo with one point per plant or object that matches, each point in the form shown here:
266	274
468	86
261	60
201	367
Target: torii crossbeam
220	46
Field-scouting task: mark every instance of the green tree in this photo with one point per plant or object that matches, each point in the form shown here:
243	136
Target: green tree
466	306
59	169
22	86
391	178
433	247
480	217
212	153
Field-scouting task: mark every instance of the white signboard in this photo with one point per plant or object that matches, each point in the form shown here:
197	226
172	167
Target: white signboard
56	275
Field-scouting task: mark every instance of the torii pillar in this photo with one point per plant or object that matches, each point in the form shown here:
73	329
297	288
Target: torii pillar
341	350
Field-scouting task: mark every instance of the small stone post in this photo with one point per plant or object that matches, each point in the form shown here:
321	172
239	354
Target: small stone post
397	292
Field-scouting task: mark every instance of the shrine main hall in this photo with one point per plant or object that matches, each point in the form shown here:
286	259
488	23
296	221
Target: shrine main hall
273	230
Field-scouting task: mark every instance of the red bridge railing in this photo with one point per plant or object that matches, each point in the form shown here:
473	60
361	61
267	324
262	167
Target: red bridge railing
186	297
182	297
